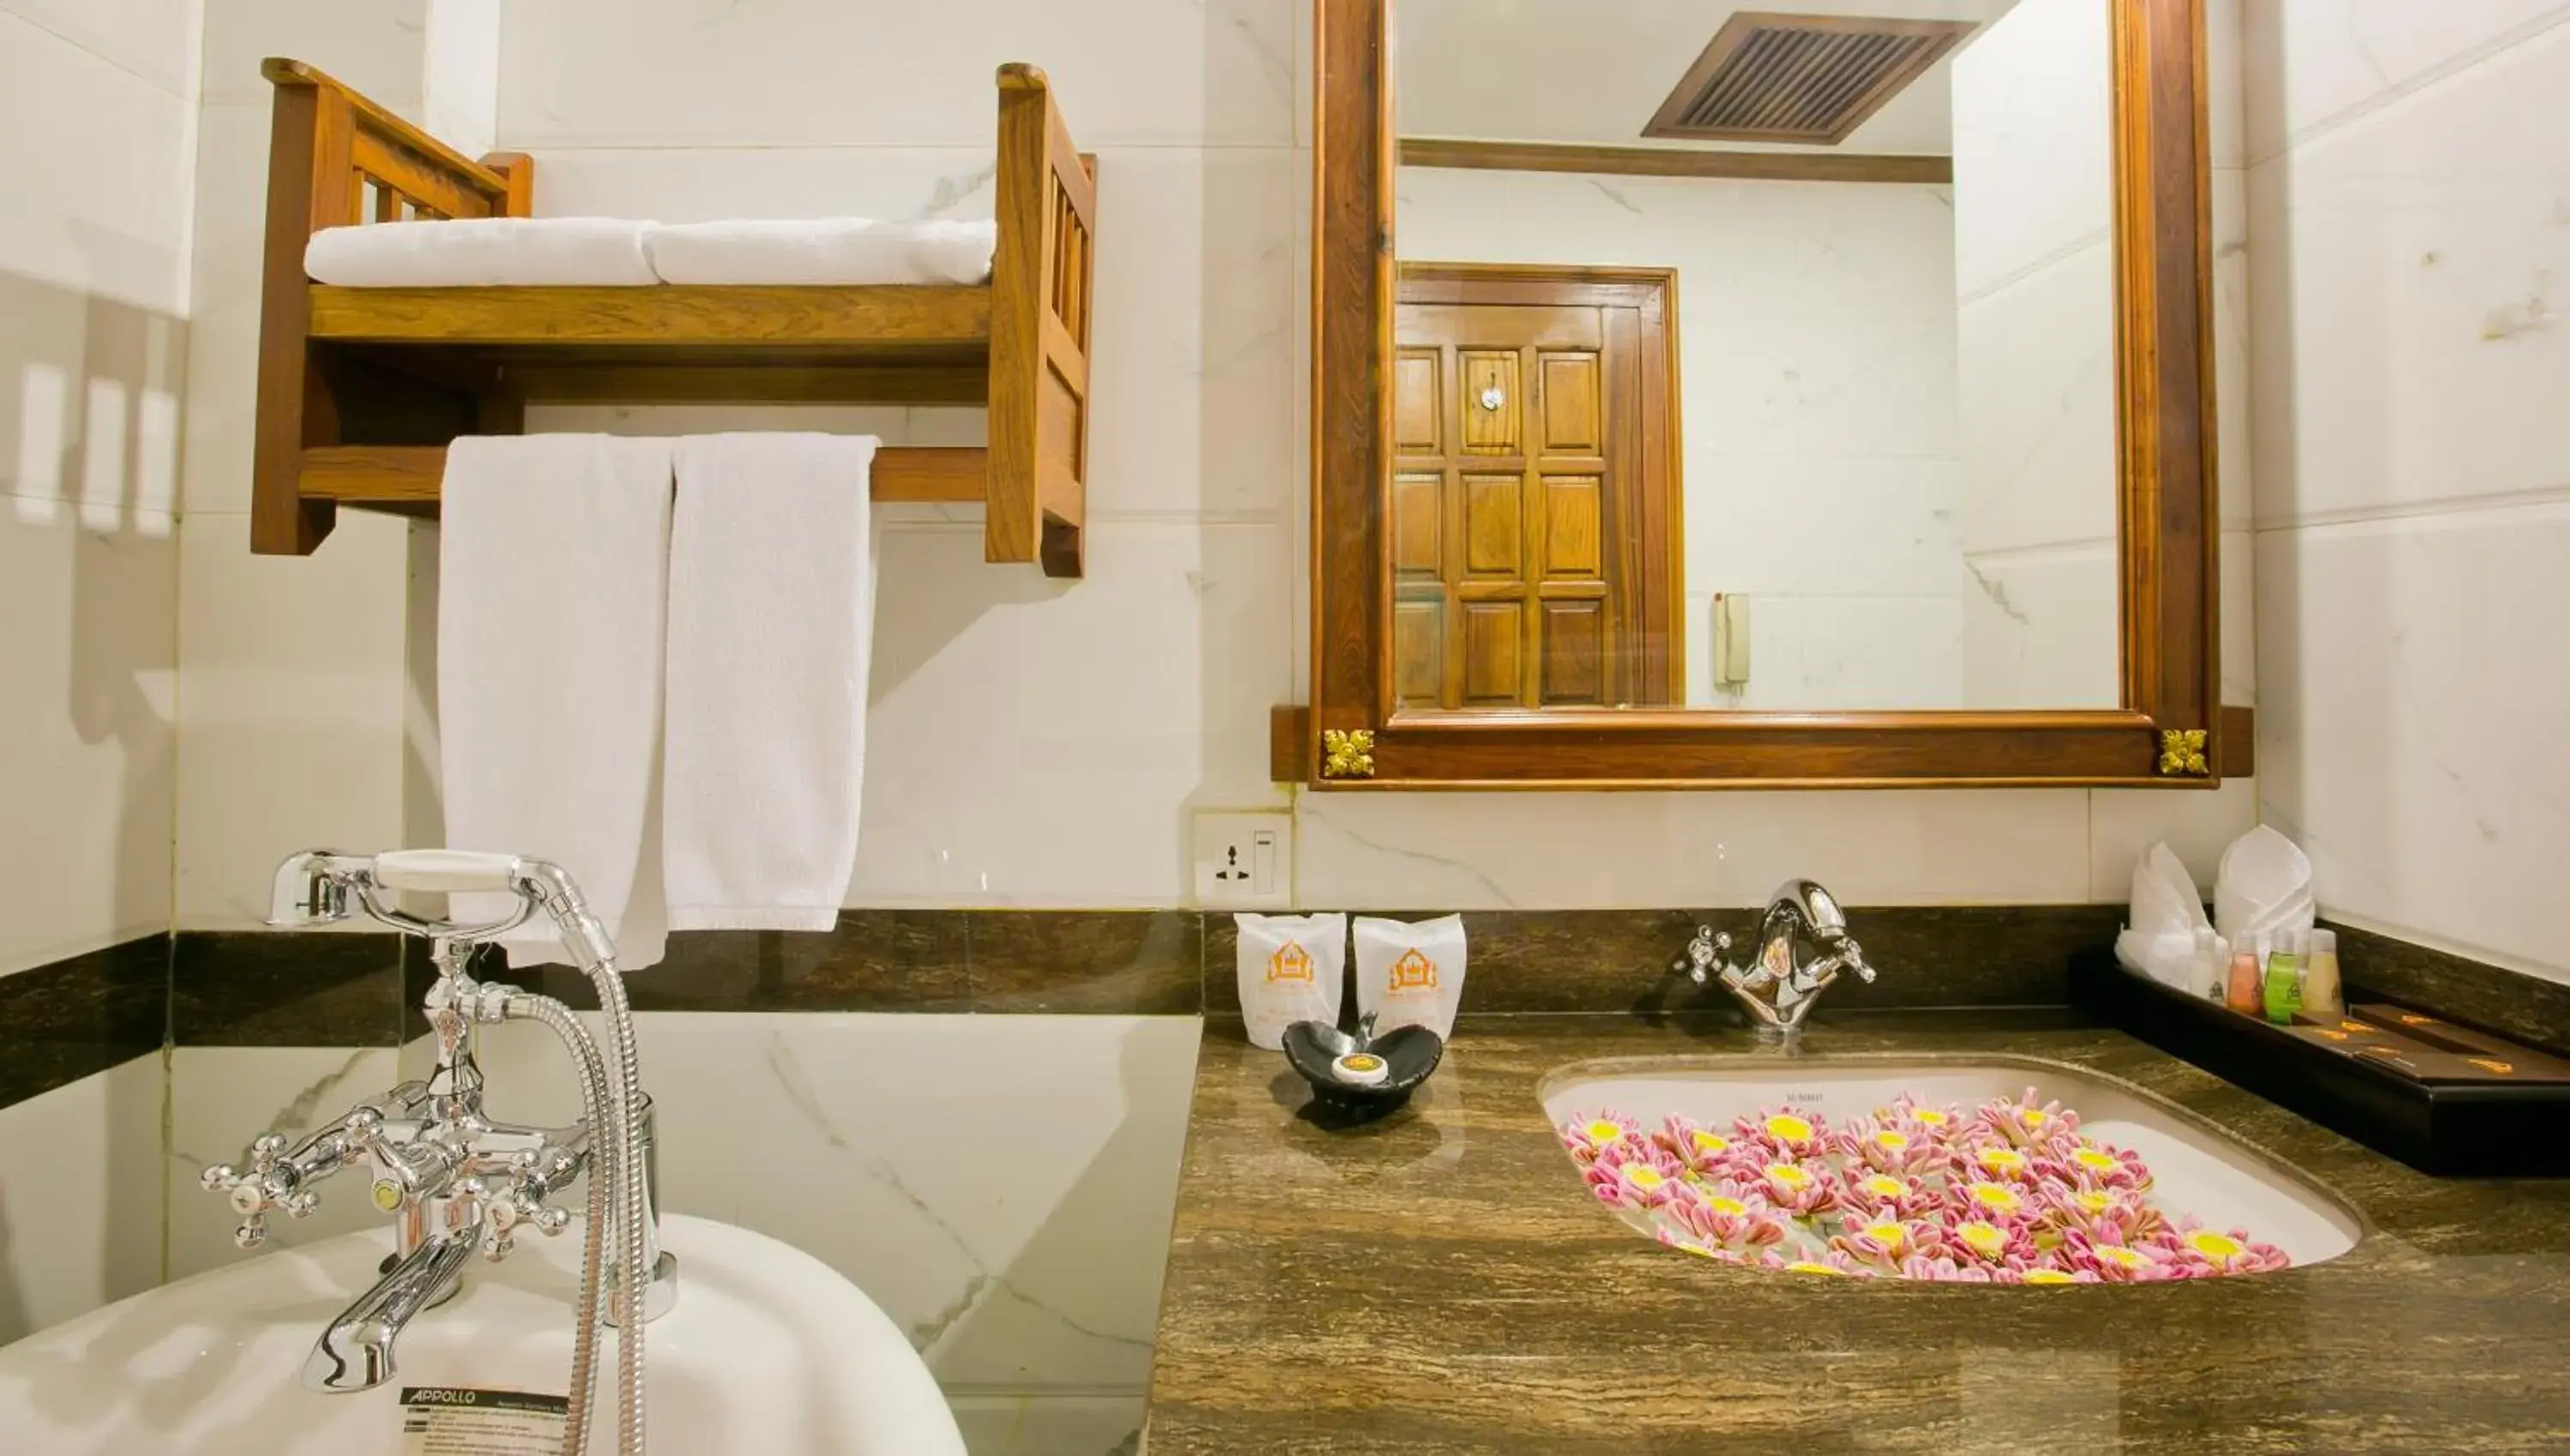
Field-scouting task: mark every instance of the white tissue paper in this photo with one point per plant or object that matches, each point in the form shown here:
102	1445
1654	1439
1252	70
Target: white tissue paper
1292	968
2167	910
2264	890
1409	974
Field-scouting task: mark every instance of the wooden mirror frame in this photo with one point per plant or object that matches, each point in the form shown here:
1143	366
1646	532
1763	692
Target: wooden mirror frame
2170	731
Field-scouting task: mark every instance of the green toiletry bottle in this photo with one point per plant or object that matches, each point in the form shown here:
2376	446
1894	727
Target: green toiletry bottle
2285	982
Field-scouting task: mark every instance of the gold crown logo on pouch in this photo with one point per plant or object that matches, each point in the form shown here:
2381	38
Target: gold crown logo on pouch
1413	973
1290	962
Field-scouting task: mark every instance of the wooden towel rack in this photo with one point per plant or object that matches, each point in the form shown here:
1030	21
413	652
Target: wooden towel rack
361	389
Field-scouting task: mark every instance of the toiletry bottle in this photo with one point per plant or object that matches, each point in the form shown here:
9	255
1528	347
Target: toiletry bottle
2322	995
2204	973
2284	981
2245	996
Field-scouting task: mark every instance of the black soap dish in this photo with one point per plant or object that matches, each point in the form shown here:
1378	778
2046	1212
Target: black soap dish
1359	1075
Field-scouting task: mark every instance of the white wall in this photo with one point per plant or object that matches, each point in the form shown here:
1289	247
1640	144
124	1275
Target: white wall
2036	288
2408	184
99	104
1816	332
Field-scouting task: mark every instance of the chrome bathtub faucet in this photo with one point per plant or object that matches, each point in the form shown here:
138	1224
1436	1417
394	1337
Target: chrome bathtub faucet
1778	986
455	1181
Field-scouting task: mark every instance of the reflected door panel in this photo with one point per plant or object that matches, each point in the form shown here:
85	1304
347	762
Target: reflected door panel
1512	586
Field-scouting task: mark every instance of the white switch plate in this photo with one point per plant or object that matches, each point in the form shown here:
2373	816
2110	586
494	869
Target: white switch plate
1244	859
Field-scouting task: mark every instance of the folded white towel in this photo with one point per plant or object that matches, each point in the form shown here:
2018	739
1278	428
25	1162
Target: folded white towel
822	250
771	625
481	253
553	567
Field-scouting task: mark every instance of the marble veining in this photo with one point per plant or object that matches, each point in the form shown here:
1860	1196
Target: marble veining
1435	1283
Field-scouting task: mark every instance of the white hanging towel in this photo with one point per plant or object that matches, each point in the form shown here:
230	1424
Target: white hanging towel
553	572
772	629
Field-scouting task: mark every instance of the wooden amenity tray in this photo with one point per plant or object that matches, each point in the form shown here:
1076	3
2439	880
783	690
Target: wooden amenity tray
361	389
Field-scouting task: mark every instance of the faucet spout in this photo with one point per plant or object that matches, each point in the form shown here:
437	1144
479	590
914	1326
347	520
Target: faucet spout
356	1351
1779	984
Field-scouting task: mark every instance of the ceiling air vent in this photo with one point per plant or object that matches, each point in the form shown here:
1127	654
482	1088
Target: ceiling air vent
1808	79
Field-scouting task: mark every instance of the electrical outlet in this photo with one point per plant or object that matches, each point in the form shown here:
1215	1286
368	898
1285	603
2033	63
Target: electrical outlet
1244	859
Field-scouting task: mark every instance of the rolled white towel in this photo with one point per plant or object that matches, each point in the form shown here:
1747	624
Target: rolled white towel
482	252
822	250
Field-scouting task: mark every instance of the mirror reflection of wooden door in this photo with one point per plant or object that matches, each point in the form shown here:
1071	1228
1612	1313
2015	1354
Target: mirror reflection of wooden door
1534	511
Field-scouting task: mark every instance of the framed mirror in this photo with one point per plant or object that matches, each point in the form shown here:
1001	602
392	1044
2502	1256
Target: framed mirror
1810	394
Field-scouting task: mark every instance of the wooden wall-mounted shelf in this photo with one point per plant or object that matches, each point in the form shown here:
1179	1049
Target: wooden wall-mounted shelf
361	389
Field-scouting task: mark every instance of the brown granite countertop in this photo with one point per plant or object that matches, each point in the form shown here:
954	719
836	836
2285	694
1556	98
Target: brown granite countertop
1441	1282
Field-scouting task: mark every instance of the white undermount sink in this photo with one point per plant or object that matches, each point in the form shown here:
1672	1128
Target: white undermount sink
2197	1168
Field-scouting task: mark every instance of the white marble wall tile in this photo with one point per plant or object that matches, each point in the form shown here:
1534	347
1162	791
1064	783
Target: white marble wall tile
155	40
2411	342
2041	628
2317	63
2040	457
460	74
85	742
1032	743
1049	1425
2197	827
1567	851
1817	652
2239	618
1017	1231
230	224
2409	728
100	209
80	1196
293	700
1146	73
2233	374
2033	142
222	1097
1891	524
1746	250
376	46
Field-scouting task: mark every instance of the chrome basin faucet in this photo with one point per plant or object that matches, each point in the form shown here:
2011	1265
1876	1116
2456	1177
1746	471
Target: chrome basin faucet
1779	986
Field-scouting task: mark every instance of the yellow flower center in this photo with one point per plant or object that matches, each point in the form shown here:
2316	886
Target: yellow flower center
2096	1162
1995	1197
2094	1203
1890	1141
1983	1239
1790	1128
1887	1234
2034	1117
1930	1117
1805	1266
1729	1208
2117	1253
2004	1160
2220	1247
1706	1142
1601	1132
1883	1186
2048	1276
1789	1176
1645	1178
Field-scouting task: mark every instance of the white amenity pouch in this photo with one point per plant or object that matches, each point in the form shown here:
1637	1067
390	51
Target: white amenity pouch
1409	974
1292	968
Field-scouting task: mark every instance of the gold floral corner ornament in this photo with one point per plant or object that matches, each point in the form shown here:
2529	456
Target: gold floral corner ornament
2182	753
1347	754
